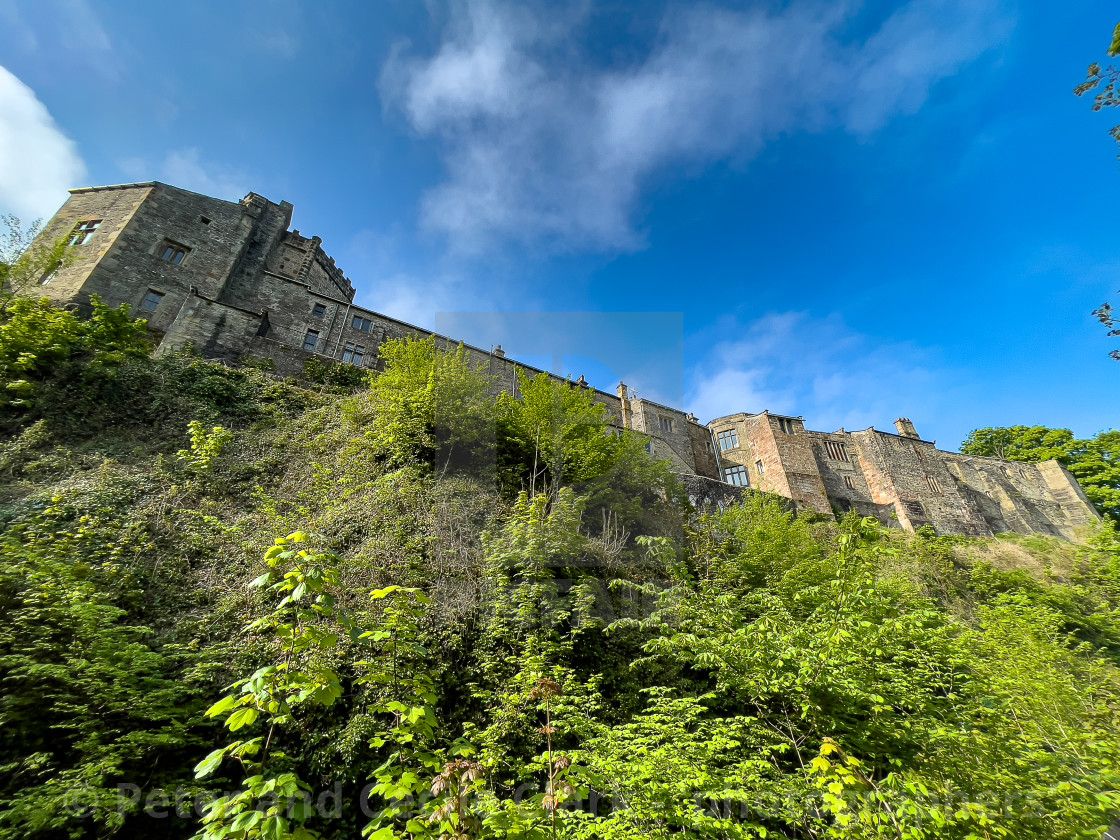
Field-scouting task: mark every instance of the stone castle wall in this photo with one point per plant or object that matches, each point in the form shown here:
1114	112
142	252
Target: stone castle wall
246	285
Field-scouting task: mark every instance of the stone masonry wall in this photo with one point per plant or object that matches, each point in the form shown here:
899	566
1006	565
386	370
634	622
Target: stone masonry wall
249	286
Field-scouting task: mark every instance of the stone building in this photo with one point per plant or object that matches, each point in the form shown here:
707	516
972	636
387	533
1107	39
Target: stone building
233	281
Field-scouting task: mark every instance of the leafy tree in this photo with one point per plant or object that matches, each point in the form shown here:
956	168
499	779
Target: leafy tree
306	622
1021	443
431	406
1108	97
88	700
41	344
25	263
1094	462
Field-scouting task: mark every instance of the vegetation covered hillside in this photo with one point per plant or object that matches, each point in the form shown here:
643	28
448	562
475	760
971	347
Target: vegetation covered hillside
235	607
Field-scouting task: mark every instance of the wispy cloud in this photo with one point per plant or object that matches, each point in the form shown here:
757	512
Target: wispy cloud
40	163
187	169
546	147
819	368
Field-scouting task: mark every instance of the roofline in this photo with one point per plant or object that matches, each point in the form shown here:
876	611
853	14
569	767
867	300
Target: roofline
158	184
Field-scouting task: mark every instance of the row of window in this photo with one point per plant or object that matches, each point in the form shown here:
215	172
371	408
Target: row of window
351	353
357	322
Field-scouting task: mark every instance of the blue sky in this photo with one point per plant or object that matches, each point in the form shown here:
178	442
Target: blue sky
845	210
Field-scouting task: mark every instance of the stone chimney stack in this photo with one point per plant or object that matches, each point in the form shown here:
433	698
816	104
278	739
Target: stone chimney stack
624	399
499	352
906	428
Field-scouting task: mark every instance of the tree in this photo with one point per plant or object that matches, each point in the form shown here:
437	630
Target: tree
1094	462
1108	97
23	263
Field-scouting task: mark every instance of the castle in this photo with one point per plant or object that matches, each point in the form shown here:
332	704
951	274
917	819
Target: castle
231	280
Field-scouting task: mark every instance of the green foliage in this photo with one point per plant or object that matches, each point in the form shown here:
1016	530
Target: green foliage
205	447
87	698
1107	97
565	651
306	623
1095	462
25	263
344	377
431	407
40	343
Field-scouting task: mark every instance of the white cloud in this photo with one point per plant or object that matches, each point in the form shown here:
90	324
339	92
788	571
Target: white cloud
792	363
39	162
544	146
185	168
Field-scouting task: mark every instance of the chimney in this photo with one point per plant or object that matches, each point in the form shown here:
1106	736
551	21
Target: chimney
622	396
499	352
906	428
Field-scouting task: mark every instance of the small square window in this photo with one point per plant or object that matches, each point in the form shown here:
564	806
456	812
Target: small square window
361	324
310	339
785	425
204	220
151	301
665	424
649	446
737	475
849	482
708	443
760	467
83	231
173	252
318	310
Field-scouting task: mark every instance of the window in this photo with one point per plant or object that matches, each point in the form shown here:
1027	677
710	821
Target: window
310	339
83	232
933	483
914	508
761	467
353	353
737	476
151	301
836	450
204	220
649	446
728	439
48	277
665	424
785	425
173	252
849	482
318	310
708	443
362	324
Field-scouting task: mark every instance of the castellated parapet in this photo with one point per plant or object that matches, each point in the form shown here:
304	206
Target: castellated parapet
232	280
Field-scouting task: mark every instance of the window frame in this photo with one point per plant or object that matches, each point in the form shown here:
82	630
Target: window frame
353	354
729	436
159	296
737	475
310	337
665	424
761	467
177	250
319	310
83	231
361	324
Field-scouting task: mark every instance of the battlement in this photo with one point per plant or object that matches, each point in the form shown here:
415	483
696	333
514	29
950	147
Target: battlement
232	279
